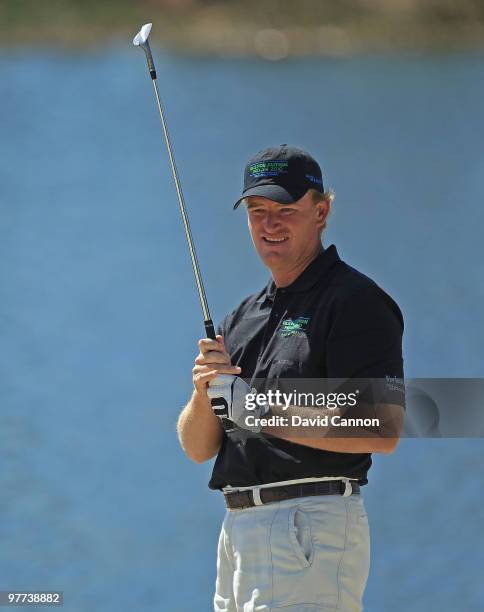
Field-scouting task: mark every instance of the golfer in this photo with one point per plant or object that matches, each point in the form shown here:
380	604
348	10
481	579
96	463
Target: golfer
295	535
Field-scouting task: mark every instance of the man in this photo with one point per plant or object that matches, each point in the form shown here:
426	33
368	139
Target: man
295	535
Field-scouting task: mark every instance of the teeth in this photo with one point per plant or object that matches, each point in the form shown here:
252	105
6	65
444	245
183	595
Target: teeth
276	239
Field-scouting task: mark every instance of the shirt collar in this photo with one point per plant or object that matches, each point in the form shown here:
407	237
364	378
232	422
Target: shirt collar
313	273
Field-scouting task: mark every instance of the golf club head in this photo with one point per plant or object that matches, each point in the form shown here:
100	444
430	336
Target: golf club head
141	40
142	37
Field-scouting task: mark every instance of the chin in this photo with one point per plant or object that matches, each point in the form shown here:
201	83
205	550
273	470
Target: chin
272	256
273	259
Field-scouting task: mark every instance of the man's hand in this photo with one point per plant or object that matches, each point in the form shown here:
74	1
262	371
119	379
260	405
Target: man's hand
200	432
228	397
212	360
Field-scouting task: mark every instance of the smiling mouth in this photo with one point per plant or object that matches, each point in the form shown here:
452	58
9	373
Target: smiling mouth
275	240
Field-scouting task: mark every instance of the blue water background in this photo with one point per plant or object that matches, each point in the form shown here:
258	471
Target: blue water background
99	318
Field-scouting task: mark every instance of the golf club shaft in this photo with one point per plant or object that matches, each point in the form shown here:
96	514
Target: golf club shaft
207	321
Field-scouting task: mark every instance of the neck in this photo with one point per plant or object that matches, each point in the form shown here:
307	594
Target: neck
286	276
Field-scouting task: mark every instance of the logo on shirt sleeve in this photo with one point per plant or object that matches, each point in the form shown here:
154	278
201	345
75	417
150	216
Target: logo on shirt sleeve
294	327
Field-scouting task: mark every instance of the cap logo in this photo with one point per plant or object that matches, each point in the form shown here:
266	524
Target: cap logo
268	168
314	179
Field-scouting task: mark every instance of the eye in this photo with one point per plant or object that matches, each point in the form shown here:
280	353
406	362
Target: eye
287	211
255	212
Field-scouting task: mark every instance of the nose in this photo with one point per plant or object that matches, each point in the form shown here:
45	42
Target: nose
271	222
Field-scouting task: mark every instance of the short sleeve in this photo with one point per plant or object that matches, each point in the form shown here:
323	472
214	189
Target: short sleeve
365	340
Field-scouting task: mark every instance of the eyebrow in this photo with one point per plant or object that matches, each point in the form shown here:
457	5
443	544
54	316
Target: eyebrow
254	205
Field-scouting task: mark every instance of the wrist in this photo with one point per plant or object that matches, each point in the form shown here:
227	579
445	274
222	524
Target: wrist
200	397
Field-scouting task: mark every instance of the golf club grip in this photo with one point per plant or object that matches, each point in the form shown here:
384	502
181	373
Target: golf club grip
209	329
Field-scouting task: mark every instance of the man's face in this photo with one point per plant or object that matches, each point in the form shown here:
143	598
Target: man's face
285	235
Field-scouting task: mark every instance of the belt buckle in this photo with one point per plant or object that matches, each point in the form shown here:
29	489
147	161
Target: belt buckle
256	497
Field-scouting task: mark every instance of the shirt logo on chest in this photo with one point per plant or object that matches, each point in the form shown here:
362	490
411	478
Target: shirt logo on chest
294	327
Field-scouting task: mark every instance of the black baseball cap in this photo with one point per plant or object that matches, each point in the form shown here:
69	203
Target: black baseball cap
283	174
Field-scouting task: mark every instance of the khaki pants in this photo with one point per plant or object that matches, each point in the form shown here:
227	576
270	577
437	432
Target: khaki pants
309	554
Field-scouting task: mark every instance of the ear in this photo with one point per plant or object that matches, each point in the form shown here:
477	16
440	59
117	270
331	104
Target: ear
322	212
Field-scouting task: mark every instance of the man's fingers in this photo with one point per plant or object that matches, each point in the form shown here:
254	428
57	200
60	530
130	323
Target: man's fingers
202	375
206	344
212	357
203	378
217	368
212	361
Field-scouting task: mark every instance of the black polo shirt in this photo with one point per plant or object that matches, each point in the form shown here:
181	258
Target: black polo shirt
347	327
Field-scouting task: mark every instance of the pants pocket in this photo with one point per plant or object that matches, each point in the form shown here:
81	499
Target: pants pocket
296	581
299	527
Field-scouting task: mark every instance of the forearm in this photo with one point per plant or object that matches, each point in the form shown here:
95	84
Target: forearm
381	437
199	430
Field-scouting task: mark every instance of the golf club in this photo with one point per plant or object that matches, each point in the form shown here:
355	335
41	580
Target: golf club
141	40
